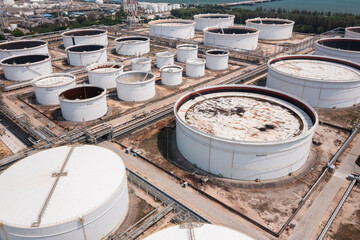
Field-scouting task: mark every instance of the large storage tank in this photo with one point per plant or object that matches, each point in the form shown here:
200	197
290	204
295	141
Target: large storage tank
186	51
272	28
132	46
171	75
26	67
344	48
195	67
83	103
69	192
199	232
85	36
244	132
217	59
352	32
141	64
213	20
172	28
104	74
83	55
23	47
242	38
164	59
135	86
47	88
323	82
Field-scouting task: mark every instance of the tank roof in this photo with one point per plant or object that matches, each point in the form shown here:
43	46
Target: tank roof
23	44
24	59
346	44
270	21
217	52
135	77
84	48
105	67
354	29
132	39
187	46
53	80
171	68
214	16
232	30
84	32
91	175
81	93
172	22
140	60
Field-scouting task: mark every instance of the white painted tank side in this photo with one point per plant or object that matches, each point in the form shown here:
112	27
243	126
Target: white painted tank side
195	67
217	61
164	59
39	50
181	31
86	58
272	31
104	79
246	41
49	95
132	48
185	52
205	20
28	71
141	64
322	50
351	34
135	91
98	39
171	75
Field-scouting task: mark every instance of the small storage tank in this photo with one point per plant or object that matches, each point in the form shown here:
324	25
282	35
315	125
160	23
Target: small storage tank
242	38
83	55
135	86
198	231
23	47
69	192
153	7
345	48
195	67
132	46
352	32
172	28
185	52
171	75
217	59
26	67
272	28
141	64
83	103
213	20
164	59
244	132
48	87
324	82
104	74
85	37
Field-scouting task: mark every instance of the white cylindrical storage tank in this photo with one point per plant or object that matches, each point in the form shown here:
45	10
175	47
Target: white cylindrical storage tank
244	132
185	52
323	82
272	28
23	47
171	75
141	64
135	86
352	32
213	20
83	103
104	74
68	192
198	231
162	7
132	46
164	59
85	36
172	28
344	48
26	67
242	38
83	55
195	67
217	59
153	7
47	88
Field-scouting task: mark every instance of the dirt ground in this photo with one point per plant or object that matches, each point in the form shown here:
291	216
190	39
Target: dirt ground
270	203
345	117
4	150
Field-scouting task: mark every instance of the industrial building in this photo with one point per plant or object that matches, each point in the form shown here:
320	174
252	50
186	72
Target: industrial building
23	47
71	192
244	132
323	82
172	28
344	48
85	36
272	28
203	21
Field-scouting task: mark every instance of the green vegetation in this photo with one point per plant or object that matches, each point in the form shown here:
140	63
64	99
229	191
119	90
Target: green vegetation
305	21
